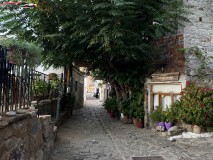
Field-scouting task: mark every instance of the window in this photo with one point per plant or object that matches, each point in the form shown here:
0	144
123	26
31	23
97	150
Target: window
76	85
164	95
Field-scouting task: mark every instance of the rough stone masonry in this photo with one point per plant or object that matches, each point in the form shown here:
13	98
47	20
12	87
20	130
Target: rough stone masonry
199	32
24	137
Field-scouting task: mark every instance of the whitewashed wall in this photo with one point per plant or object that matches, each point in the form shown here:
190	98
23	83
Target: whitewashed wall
50	70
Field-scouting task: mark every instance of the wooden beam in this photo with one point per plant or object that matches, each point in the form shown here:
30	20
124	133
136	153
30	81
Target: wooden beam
161	77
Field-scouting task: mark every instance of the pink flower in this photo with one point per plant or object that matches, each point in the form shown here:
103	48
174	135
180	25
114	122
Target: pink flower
187	82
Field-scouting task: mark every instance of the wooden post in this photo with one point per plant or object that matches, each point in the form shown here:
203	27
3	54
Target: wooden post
68	76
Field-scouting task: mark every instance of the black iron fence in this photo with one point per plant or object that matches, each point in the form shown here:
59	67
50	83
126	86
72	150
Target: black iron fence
19	85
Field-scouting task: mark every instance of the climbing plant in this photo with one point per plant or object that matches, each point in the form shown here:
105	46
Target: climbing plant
202	57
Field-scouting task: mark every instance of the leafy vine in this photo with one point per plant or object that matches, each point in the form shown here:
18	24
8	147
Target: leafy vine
202	55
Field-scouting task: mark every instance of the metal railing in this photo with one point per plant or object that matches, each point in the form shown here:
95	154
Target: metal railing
19	85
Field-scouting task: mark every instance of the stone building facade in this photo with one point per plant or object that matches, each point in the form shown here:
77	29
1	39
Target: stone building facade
90	84
77	88
199	32
166	84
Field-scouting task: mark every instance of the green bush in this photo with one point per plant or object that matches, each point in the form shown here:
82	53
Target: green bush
111	103
125	108
169	115
158	115
107	103
197	106
23	52
55	82
139	113
41	87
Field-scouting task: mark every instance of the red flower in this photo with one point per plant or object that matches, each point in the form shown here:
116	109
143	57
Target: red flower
187	82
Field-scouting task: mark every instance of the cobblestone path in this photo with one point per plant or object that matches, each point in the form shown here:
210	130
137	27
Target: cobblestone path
90	134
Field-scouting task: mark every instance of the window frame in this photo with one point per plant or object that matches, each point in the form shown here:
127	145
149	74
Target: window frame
162	93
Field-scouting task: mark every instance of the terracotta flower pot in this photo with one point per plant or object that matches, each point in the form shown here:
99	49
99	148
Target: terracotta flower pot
50	76
11	58
140	124
134	121
126	116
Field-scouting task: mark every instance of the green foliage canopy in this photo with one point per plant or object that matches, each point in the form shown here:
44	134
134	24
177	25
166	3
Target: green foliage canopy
113	35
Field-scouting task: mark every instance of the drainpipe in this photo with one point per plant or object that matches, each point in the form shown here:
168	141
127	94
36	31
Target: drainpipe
58	105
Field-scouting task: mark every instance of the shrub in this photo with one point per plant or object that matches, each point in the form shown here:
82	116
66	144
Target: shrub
169	115
139	113
111	103
124	107
107	103
23	52
157	115
41	87
197	106
55	83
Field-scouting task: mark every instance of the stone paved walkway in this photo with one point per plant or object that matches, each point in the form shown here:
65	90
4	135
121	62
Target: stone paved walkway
90	134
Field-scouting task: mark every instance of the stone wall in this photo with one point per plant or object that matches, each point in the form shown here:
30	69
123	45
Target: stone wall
78	87
168	46
199	32
47	107
90	84
26	137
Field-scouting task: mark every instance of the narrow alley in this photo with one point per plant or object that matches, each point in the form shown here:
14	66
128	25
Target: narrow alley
90	134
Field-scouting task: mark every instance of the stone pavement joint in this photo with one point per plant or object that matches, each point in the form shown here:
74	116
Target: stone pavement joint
90	134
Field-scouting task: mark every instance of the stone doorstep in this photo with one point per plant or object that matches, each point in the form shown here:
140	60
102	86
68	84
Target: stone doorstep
3	124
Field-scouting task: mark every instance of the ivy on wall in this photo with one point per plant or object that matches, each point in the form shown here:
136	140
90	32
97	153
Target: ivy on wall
203	59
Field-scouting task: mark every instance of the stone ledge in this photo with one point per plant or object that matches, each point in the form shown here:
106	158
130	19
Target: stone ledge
16	118
8	120
3	124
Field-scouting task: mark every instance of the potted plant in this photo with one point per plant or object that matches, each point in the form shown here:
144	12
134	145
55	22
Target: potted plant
124	107
169	118
158	116
140	117
113	108
132	112
134	118
111	104
51	76
125	112
54	85
107	104
40	88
